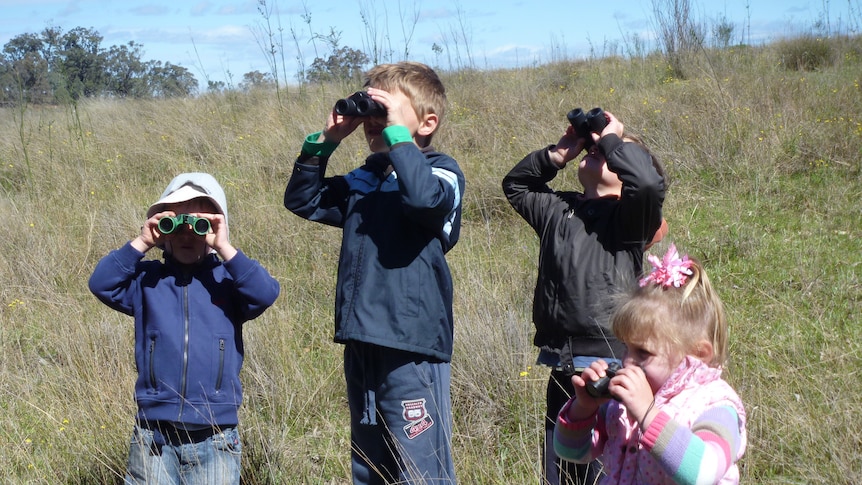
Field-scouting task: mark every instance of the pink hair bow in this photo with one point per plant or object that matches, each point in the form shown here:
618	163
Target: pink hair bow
672	270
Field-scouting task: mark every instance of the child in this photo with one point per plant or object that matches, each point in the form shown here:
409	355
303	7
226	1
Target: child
189	312
591	247
400	212
674	420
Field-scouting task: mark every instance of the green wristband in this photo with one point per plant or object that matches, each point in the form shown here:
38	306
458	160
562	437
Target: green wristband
395	134
318	149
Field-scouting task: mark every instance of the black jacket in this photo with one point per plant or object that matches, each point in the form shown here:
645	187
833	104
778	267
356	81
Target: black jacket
590	249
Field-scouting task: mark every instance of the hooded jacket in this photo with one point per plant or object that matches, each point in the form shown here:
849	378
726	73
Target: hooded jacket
394	288
188	328
590	249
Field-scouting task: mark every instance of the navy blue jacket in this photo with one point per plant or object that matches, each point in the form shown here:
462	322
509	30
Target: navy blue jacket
188	330
394	287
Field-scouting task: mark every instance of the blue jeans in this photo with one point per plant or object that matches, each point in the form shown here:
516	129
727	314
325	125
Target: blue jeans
157	459
400	416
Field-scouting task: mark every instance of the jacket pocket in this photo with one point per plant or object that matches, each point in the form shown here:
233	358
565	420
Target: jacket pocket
410	291
220	365
152	348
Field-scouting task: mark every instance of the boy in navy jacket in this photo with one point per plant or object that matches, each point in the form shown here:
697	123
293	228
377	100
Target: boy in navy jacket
400	212
189	311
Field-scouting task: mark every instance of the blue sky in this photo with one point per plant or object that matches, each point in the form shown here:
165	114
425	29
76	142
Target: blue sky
221	40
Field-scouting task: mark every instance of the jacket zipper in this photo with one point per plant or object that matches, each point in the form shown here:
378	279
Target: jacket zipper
220	364
360	257
185	351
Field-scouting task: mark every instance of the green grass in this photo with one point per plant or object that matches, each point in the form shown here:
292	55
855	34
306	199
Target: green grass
766	184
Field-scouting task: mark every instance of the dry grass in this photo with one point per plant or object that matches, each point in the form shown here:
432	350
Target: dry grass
766	189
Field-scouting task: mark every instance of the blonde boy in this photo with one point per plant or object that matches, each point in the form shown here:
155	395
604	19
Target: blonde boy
400	212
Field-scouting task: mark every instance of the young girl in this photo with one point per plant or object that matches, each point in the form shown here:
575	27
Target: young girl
673	419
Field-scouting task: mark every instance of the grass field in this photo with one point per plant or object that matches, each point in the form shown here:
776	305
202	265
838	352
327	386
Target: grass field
763	154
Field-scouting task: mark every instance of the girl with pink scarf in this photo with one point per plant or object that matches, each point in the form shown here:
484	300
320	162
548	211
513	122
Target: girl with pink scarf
667	416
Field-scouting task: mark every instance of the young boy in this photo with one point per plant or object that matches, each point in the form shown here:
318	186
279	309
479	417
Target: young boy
400	212
189	312
591	248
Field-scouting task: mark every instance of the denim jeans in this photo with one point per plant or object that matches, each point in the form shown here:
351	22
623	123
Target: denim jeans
212	461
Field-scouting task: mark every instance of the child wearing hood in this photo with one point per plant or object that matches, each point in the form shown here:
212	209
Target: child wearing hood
189	312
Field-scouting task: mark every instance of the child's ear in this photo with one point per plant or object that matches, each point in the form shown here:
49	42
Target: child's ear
704	351
428	124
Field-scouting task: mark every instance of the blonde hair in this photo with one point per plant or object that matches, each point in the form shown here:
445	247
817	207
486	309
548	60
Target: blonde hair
675	319
417	81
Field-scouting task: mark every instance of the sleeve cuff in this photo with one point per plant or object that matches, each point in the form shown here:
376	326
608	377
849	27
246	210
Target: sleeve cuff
609	143
238	261
545	157
131	252
318	149
651	434
563	420
126	257
395	134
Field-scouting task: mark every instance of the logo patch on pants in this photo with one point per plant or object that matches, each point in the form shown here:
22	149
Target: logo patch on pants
418	420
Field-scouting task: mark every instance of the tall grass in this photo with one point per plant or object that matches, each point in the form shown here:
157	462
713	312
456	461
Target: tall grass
764	161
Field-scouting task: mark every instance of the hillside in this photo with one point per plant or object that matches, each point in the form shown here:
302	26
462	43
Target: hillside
763	149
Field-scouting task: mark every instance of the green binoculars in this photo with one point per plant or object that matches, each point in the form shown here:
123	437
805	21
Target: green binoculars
170	224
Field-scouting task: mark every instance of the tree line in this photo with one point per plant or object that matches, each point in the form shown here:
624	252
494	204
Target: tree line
57	67
54	67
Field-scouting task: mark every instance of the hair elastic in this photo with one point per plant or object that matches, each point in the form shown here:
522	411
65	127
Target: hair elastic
670	271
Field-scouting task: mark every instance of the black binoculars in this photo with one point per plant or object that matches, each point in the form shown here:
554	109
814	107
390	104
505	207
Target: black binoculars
593	121
170	224
359	104
599	388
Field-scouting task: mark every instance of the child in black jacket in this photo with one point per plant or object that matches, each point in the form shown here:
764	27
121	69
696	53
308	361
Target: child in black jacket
591	248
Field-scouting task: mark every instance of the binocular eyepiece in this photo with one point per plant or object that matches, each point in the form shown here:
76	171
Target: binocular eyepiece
168	224
359	104
593	121
599	388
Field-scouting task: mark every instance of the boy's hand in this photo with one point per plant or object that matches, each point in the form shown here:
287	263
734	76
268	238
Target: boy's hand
614	126
631	387
338	127
569	146
398	108
217	237
150	234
